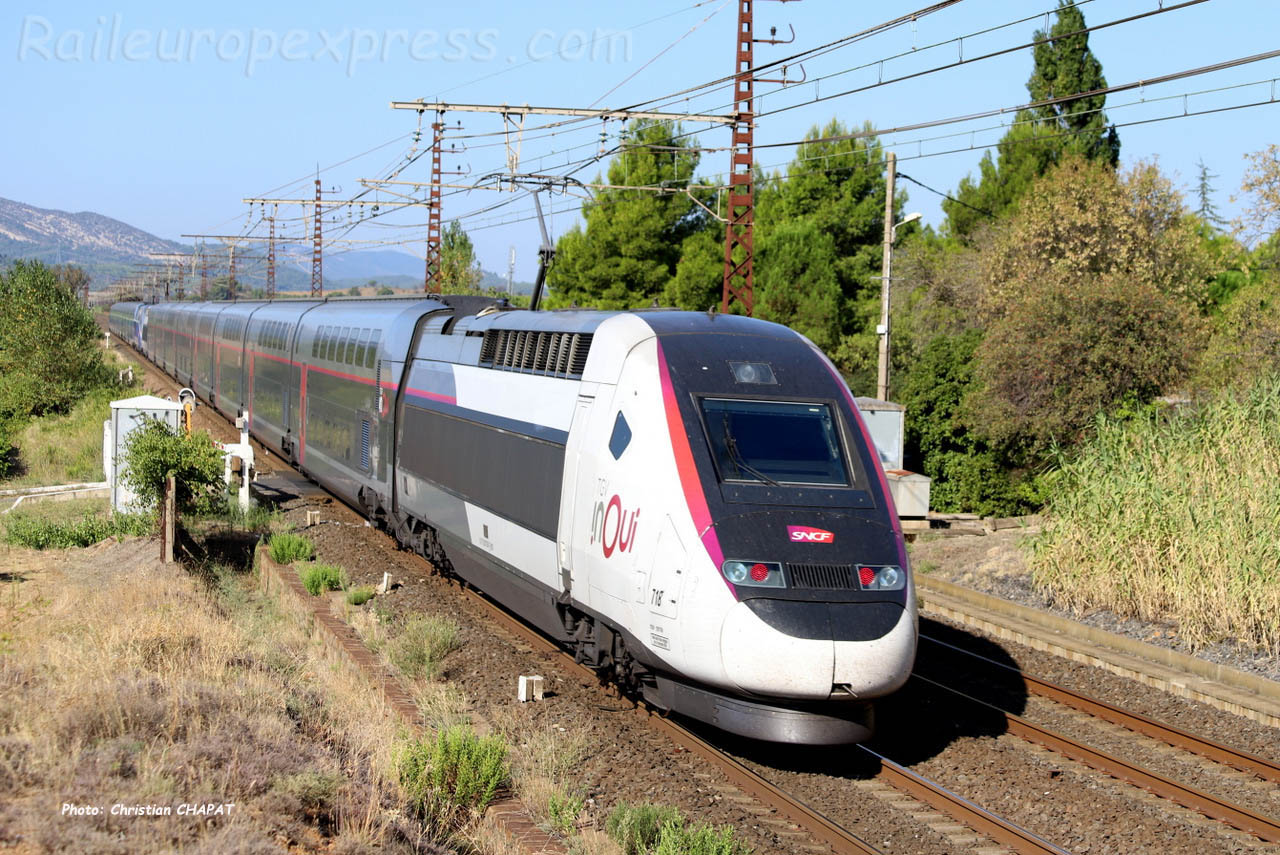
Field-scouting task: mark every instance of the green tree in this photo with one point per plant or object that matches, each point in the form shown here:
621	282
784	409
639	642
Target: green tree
834	187
1092	294
154	451
1207	210
1260	187
1042	135
459	269
50	354
699	281
353	291
74	278
797	284
629	250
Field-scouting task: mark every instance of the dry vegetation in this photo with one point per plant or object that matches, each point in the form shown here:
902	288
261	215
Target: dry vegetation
1175	518
130	684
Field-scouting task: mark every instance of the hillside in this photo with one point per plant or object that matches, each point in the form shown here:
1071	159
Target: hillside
107	248
102	246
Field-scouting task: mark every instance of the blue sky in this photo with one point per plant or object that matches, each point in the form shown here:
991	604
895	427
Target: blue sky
165	115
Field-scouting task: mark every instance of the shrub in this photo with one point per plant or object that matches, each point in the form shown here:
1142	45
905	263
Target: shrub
39	533
422	644
155	450
318	578
678	839
637	828
50	355
453	777
360	596
1174	518
286	548
1072	346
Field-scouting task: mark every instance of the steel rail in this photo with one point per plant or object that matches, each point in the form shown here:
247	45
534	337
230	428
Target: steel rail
1242	761
962	810
1210	805
842	841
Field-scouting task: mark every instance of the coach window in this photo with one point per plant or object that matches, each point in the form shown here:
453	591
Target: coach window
361	347
315	344
352	344
621	436
372	354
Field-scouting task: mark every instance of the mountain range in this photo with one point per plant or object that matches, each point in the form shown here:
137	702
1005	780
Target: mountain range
107	249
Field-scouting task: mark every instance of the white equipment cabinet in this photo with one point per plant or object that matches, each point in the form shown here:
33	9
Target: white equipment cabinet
127	416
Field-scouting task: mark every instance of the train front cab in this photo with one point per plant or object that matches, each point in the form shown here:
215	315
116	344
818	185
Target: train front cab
771	590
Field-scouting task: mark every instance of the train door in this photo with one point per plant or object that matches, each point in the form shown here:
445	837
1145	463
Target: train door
570	489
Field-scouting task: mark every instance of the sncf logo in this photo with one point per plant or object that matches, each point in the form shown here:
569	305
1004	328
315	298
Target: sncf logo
807	534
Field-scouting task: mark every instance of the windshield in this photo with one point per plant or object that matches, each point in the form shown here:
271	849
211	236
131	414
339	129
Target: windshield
775	442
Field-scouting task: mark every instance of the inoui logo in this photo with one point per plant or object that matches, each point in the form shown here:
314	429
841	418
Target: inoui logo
807	534
614	528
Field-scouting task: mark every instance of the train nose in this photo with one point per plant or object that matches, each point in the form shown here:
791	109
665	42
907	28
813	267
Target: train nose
814	650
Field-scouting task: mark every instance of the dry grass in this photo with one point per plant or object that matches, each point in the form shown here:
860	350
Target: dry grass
132	684
1175	520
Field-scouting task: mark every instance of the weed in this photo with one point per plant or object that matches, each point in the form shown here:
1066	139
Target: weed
318	578
258	517
316	791
563	811
678	839
452	778
287	547
637	828
42	533
360	596
422	644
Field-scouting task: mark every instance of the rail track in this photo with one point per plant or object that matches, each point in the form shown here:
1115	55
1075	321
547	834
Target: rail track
1261	826
999	830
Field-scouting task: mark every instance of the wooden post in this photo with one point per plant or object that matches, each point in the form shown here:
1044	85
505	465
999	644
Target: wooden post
168	519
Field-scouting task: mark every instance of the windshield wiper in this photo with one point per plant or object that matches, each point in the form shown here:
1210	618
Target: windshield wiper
731	445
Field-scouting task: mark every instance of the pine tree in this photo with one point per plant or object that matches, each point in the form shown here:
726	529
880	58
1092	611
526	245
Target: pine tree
1207	210
1063	66
628	252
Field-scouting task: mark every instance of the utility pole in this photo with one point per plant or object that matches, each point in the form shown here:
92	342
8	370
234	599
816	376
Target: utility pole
739	233
271	259
882	381
511	269
317	259
204	274
739	273
231	271
431	284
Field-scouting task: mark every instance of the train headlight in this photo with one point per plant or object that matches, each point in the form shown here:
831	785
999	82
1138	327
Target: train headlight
736	572
756	574
889	578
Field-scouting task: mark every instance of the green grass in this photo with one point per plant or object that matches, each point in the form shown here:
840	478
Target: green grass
318	578
287	547
1175	519
421	645
43	532
67	449
360	596
648	829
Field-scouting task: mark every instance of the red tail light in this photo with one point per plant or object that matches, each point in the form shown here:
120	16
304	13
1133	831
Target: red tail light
759	572
867	576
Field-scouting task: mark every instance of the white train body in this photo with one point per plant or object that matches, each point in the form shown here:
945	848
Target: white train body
689	501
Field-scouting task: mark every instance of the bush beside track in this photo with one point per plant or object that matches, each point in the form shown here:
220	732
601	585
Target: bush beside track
1175	517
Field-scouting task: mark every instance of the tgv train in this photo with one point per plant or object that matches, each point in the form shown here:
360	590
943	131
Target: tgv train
691	502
